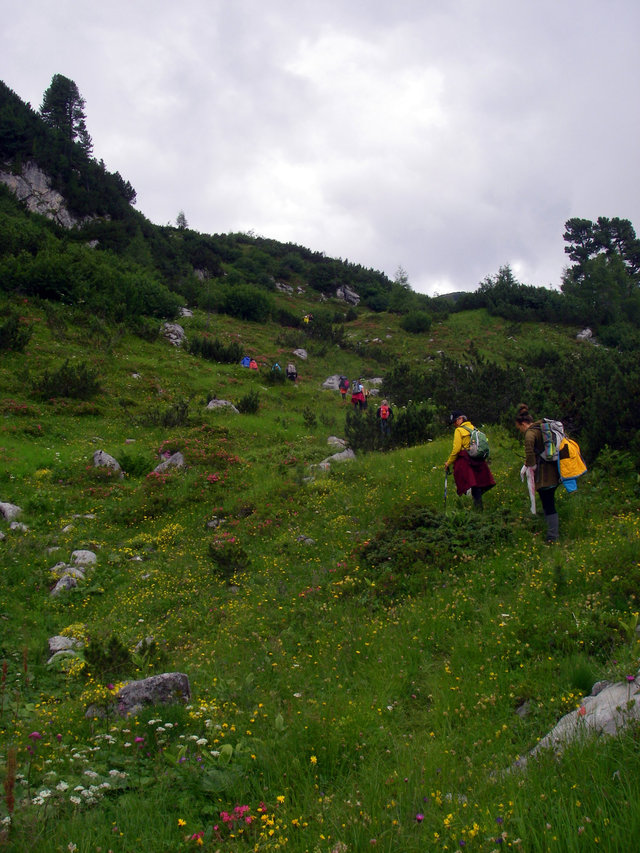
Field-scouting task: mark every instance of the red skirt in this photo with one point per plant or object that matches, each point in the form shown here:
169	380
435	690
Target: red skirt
468	472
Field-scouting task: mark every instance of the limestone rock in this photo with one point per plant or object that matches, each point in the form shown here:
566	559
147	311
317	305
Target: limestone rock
221	404
9	511
101	459
166	689
174	333
347	295
176	460
33	187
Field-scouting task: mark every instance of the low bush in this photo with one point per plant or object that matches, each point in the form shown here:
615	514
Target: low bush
416	323
249	404
227	555
14	335
177	414
78	381
214	350
107	659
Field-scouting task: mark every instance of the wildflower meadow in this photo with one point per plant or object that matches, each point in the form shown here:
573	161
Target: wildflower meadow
368	658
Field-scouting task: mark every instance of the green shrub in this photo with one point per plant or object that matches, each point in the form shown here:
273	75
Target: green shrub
145	328
14	335
135	465
78	381
174	415
417	323
214	350
249	404
422	546
107	659
227	555
276	377
309	417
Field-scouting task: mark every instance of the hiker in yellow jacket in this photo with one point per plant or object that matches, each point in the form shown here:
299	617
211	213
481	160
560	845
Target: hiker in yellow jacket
471	475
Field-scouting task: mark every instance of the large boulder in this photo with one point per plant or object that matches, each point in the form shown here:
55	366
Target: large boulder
331	383
176	460
101	459
608	709
82	557
174	333
9	511
221	404
166	689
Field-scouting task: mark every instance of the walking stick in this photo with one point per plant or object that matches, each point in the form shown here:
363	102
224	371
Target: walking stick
446	477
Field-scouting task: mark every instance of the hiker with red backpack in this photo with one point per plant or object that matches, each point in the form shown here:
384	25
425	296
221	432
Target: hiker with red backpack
468	456
385	415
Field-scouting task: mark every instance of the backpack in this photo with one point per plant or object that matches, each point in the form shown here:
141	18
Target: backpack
478	444
552	436
384	412
570	463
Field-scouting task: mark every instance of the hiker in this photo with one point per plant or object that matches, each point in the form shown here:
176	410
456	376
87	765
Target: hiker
275	368
357	395
365	394
343	387
471	475
253	364
292	373
546	477
384	415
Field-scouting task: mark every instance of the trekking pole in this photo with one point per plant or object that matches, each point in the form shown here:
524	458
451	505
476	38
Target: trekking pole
446	477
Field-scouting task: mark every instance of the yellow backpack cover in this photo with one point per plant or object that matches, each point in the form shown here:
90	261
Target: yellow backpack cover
570	463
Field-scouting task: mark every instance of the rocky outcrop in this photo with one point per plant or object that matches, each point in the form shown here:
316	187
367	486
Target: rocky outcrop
33	187
347	295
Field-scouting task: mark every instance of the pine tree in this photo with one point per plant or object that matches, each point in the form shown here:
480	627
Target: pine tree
63	109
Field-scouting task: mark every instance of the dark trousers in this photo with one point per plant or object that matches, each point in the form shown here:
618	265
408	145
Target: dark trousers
548	500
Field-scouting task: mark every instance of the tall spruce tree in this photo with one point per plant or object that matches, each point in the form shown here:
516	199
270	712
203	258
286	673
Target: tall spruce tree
63	109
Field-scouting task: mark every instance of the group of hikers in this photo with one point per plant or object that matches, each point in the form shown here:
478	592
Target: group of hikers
360	401
473	476
471	470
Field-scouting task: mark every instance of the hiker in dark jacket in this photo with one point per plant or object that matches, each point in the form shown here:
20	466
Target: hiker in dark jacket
471	475
546	474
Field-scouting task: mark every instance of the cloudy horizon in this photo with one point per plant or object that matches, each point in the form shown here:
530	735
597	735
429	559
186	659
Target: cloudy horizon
446	139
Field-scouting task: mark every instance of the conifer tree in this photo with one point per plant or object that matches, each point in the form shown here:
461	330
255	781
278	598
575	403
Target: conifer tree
63	109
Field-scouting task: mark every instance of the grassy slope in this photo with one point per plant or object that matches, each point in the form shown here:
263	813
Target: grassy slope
376	724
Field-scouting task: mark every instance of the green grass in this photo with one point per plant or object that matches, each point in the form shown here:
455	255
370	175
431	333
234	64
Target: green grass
345	712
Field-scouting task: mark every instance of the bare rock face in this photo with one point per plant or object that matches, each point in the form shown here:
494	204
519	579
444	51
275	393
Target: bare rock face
347	295
33	187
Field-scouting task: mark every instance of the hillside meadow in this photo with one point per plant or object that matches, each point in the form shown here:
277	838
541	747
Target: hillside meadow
366	660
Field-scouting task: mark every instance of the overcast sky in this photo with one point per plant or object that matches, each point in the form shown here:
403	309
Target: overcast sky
448	138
